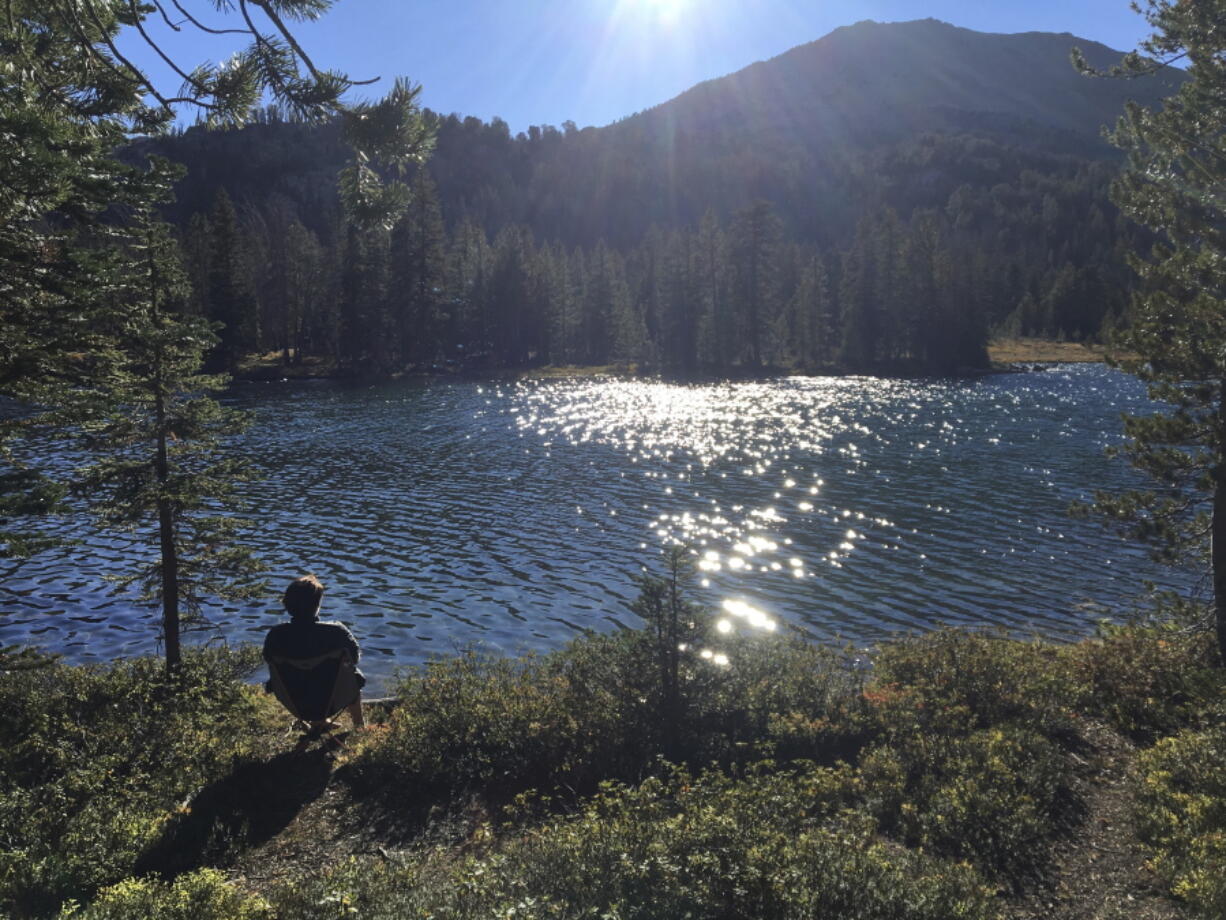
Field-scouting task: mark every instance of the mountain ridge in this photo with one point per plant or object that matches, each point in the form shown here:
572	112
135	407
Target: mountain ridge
809	130
859	49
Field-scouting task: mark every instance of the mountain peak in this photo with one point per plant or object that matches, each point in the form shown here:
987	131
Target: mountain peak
889	79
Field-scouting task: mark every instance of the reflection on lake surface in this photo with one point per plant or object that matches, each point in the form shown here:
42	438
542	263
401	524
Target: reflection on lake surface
515	515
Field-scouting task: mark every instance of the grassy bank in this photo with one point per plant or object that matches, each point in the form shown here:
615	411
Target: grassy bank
964	775
271	366
1043	351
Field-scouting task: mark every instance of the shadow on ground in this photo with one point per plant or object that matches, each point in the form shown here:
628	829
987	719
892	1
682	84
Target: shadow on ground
245	809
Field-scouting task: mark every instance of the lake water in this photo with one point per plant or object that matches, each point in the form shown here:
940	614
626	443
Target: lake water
515	516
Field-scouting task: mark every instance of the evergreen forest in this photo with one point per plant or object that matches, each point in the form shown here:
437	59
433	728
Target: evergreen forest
747	225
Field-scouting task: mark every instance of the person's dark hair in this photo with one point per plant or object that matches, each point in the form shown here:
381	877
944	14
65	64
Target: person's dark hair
303	596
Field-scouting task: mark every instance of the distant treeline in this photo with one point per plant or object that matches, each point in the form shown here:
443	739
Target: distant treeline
927	244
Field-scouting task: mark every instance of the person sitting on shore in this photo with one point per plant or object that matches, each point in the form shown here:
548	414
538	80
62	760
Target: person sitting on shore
313	665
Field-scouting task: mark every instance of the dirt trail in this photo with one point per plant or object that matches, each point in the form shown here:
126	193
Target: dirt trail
1099	872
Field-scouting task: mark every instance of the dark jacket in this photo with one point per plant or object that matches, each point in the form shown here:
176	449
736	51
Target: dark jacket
308	640
298	639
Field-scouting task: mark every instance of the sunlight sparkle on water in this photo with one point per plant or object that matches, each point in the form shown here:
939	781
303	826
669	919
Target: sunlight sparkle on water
872	463
687	434
515	515
746	612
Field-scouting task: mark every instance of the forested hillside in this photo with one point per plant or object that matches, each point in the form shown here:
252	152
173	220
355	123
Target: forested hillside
815	211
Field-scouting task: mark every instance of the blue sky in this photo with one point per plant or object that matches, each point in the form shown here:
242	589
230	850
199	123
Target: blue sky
594	61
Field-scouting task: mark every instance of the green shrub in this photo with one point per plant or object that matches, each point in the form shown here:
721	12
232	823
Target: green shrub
202	895
1181	815
803	698
997	797
966	757
94	762
1146	681
590	712
607	707
499	725
771	844
957	680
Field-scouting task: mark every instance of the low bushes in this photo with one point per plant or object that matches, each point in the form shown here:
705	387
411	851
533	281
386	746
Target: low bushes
957	681
1146	681
996	797
588	713
965	753
768	844
94	763
920	788
955	737
1181	815
201	895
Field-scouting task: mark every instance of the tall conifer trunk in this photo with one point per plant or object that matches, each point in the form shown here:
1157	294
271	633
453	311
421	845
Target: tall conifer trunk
166	518
170	582
166	540
755	351
1218	536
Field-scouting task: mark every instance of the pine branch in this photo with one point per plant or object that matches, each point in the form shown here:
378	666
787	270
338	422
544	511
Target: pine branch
202	27
271	13
140	27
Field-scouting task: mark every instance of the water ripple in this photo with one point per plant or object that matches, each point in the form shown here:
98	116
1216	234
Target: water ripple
516	515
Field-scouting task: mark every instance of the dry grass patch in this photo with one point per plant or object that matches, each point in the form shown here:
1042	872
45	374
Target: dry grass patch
1043	351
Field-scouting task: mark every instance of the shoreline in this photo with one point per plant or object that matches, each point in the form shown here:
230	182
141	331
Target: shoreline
1011	352
1004	356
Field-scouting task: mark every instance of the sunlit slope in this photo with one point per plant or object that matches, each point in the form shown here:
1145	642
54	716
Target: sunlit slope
898	114
831	128
872	81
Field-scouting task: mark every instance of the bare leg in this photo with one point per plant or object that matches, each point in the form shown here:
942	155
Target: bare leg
355	713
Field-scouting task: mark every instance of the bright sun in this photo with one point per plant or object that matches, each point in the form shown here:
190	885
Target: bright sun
662	12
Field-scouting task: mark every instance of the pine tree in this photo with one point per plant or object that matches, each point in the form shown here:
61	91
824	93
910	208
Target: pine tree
647	268
417	275
562	304
599	305
571	310
861	331
1173	185
195	249
612	306
468	283
366	333
927	339
266	241
675	629
812	308
86	334
304	291
717	329
140	406
678	326
753	249
229	298
512	306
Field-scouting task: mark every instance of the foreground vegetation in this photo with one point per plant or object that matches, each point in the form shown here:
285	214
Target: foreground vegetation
612	779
